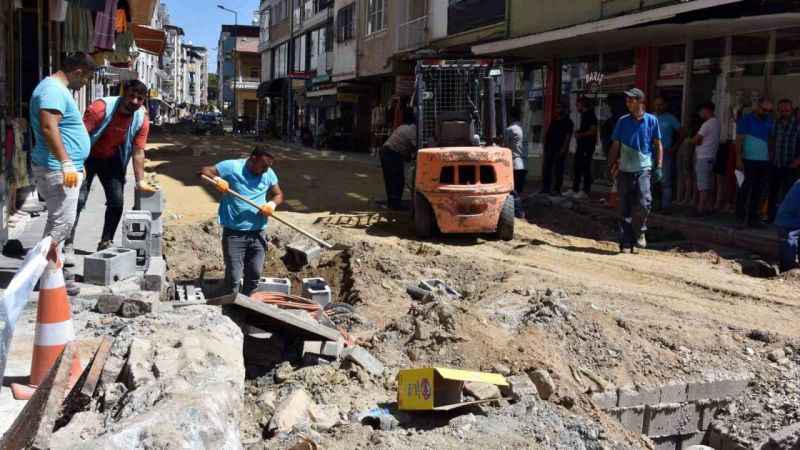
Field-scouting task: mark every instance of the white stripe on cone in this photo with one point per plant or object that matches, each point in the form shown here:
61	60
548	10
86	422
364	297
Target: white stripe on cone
48	334
51	279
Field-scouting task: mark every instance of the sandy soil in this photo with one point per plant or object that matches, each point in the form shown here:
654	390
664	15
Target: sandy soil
643	318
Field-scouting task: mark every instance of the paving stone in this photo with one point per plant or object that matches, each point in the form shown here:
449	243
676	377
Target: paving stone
153	202
330	349
605	400
363	358
631	418
155	275
669	419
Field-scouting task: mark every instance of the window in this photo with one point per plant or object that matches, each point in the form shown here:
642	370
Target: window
329	37
345	28
281	59
254	73
299	63
308	10
376	18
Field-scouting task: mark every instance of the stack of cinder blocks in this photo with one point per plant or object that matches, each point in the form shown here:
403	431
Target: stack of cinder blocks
109	266
154	203
675	415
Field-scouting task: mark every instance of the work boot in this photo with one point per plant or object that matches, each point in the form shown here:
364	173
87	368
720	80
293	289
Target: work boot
104	245
642	241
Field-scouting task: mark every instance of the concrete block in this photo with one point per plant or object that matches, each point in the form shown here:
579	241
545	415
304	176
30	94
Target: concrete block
717	385
363	358
136	234
635	396
152	202
674	392
329	349
304	253
436	285
157	224
691	440
317	290
155	277
605	400
632	418
155	246
666	443
708	409
669	419
109	266
280	285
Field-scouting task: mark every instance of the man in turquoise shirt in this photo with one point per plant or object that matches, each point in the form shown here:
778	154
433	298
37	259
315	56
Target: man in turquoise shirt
244	243
670	129
62	145
752	157
635	153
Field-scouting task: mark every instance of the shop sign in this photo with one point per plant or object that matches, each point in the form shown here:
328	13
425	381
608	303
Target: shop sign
593	81
299	75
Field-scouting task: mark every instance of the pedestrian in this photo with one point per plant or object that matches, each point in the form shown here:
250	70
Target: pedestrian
787	220
671	138
752	157
398	149
635	156
62	145
556	147
585	144
514	139
118	127
785	144
244	242
706	143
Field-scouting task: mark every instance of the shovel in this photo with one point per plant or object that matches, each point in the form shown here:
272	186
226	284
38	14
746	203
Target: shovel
305	233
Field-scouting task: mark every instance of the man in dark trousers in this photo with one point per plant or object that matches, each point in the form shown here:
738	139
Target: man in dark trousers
244	242
399	148
586	141
556	147
753	131
514	139
118	128
785	144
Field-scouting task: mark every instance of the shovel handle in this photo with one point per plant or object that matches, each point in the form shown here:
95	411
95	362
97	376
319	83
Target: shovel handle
274	216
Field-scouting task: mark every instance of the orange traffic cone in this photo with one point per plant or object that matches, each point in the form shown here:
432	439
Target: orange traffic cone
53	331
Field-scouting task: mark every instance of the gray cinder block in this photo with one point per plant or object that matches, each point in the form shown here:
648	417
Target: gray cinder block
155	275
280	285
304	253
153	202
317	290
109	266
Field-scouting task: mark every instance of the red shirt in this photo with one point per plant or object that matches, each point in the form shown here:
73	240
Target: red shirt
114	134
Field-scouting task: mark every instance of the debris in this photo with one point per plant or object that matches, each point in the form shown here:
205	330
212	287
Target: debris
419	294
328	349
81	394
137	371
519	387
482	391
378	418
134	308
298	411
439	287
109	304
317	290
283	372
776	355
597	379
439	389
364	359
544	383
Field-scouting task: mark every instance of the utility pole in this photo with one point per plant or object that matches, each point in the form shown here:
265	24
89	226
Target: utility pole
233	57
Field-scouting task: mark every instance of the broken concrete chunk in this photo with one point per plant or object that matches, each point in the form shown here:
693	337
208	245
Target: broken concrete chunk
482	391
329	349
109	304
138	369
364	359
299	411
519	387
544	383
283	372
134	308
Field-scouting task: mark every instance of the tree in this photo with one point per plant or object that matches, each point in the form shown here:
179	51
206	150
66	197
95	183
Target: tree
213	87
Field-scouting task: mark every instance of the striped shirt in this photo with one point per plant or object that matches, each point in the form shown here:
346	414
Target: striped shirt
787	141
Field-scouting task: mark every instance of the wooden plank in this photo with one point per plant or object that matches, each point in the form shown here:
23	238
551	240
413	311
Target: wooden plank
81	394
35	423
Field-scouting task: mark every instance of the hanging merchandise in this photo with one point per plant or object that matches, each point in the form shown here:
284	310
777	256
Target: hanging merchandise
104	27
91	5
120	21
78	29
58	10
122	56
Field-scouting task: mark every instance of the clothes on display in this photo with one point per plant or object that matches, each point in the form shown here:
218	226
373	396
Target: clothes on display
120	21
78	29
16	154
104	27
58	10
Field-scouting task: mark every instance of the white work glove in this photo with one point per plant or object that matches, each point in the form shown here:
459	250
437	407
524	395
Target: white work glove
71	176
268	209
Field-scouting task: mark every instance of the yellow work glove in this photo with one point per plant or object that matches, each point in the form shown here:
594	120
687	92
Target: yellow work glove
268	209
144	186
221	185
71	176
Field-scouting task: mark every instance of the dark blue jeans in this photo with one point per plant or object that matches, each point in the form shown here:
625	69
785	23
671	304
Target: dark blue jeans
748	199
244	253
634	189
789	250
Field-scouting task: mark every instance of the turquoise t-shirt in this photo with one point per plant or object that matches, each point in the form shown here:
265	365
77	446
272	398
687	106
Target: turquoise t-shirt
234	213
668	125
52	94
636	141
756	136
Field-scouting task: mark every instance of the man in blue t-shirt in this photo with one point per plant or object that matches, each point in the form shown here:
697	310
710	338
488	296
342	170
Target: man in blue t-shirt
244	243
635	153
670	129
752	157
788	222
62	145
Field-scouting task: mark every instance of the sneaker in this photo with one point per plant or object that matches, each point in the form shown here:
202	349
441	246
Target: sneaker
642	241
104	245
581	196
570	194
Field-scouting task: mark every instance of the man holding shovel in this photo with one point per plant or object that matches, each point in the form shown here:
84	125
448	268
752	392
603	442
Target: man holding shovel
244	244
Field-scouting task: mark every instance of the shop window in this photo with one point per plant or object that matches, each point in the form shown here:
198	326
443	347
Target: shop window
345	25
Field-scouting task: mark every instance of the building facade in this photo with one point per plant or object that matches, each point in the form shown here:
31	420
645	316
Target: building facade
239	70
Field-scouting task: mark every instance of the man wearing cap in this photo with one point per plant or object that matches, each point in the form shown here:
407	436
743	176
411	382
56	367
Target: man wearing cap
636	153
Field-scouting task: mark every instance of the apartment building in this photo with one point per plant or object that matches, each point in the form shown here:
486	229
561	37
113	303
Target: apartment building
239	70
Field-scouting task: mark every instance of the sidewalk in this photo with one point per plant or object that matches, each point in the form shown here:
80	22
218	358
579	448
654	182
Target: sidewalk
86	238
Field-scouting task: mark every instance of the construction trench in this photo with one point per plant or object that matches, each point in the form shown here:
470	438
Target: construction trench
665	350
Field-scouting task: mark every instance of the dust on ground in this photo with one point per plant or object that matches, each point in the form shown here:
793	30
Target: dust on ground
558	297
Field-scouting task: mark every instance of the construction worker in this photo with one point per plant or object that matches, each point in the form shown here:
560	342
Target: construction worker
636	155
118	127
244	243
62	145
399	148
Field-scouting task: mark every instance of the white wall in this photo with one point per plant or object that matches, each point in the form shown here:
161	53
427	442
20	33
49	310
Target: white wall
344	53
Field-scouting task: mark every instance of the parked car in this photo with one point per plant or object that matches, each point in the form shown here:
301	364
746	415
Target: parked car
208	123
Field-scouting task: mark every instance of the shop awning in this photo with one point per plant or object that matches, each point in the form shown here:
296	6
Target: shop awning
142	11
149	39
594	28
272	88
322	93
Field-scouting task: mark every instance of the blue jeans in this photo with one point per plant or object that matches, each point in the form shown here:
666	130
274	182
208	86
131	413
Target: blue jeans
244	253
789	249
634	189
668	180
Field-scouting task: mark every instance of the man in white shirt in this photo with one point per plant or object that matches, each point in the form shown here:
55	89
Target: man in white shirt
514	139
706	145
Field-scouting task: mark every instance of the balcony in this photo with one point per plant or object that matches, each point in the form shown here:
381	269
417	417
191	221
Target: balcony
412	35
246	83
